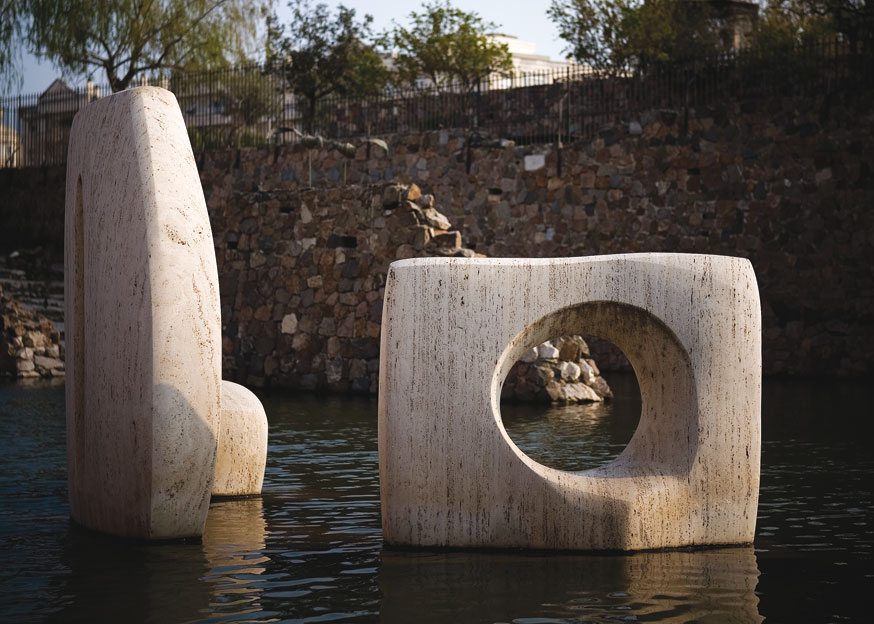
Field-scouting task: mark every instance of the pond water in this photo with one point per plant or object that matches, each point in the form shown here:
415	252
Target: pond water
310	549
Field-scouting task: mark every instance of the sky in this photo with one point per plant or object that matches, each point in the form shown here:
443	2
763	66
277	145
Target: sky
525	20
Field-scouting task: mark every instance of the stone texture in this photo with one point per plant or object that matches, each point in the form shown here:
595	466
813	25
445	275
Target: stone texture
587	373
569	371
144	400
534	162
436	219
529	356
572	393
572	348
289	324
242	448
600	388
449	474
308	317
142	322
29	343
547	351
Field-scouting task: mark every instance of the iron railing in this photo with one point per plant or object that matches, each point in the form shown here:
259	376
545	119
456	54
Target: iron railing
249	106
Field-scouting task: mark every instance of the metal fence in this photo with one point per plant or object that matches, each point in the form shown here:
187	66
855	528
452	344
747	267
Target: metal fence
249	106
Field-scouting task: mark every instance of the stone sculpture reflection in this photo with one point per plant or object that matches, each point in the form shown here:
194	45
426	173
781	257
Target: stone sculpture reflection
717	586
451	476
144	390
233	542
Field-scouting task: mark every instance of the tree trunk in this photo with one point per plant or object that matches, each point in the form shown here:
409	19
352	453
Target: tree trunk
115	83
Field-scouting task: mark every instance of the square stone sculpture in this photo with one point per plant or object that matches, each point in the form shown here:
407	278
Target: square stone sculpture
451	477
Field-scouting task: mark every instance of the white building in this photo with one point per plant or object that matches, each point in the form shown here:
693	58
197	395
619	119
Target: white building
525	57
10	145
529	68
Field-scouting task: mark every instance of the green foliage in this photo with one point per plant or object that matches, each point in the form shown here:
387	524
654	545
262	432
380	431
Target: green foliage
777	44
590	30
127	38
803	21
248	97
369	75
320	54
793	37
623	35
250	138
449	46
205	138
634	35
12	22
217	138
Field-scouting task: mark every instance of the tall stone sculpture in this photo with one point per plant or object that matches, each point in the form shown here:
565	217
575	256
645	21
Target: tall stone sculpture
452	328
143	326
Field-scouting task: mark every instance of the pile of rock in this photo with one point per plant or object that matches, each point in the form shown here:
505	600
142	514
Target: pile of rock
561	370
433	231
30	346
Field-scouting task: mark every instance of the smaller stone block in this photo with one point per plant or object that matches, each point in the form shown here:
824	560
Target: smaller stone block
289	324
436	219
529	356
587	374
569	371
533	162
547	352
242	445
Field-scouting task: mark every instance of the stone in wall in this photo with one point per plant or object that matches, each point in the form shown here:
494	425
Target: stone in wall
559	370
30	346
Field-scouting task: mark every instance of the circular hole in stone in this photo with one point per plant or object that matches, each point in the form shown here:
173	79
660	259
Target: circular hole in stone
571	403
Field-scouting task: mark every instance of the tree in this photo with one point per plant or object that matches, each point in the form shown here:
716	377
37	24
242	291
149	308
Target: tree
248	97
127	38
449	46
12	18
802	21
634	34
321	54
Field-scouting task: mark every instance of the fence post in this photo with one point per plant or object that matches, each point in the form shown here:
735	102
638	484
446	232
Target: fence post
567	82
478	102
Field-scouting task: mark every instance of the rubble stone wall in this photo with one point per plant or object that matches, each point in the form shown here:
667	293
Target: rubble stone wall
32	209
304	237
784	182
30	346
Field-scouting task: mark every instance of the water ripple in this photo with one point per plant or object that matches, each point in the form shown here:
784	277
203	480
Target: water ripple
310	549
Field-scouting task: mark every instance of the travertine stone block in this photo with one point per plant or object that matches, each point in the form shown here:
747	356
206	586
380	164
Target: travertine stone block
452	328
242	448
143	328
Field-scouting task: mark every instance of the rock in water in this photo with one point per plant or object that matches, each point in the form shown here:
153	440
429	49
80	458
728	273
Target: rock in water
29	343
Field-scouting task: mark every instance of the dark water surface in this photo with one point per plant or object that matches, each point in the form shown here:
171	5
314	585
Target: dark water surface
310	549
